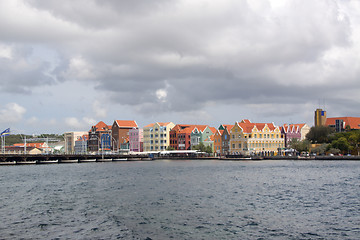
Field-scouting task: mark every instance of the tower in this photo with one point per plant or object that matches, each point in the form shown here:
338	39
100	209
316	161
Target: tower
320	117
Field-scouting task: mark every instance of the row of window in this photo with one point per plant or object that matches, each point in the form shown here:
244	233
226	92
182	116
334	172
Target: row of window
257	145
157	135
256	135
161	129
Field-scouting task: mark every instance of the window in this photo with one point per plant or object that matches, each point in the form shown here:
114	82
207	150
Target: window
233	145
151	136
260	135
239	145
233	136
254	135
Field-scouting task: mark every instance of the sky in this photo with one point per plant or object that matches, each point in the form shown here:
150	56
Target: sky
66	65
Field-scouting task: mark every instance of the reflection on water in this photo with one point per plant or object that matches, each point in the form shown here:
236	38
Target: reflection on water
182	200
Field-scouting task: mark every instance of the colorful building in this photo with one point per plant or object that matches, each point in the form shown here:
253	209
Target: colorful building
248	138
99	137
136	140
222	140
157	136
320	117
294	131
70	139
81	144
341	124
200	133
120	134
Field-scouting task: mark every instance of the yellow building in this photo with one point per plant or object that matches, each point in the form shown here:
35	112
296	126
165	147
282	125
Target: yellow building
320	117
157	136
248	138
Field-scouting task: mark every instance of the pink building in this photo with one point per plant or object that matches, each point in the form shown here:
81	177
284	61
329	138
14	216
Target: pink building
136	140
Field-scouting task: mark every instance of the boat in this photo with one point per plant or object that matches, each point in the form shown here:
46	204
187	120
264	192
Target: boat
47	161
69	161
87	160
120	159
25	162
8	163
104	160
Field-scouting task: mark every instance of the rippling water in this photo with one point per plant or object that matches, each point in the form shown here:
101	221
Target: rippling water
181	200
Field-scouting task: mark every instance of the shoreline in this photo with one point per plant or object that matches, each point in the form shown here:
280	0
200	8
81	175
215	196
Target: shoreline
62	159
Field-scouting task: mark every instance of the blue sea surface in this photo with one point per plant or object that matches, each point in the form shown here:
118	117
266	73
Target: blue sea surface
181	200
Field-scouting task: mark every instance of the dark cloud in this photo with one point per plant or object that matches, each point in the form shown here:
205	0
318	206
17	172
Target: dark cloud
177	56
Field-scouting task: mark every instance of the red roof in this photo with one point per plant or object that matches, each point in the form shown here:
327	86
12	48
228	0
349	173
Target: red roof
353	122
247	127
126	123
101	126
34	145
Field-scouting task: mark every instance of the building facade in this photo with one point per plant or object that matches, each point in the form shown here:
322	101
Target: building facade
136	140
120	134
99	138
222	140
341	124
248	138
70	138
294	131
157	136
81	146
320	117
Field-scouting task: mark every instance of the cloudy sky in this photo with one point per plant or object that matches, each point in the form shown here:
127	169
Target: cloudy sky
65	65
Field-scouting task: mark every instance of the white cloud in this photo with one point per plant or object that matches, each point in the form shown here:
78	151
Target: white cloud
75	124
99	108
11	113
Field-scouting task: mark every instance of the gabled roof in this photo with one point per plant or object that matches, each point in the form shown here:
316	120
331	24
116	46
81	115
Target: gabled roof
161	124
247	127
101	126
293	127
353	122
126	123
149	125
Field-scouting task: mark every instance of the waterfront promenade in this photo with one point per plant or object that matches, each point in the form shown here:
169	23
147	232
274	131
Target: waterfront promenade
21	159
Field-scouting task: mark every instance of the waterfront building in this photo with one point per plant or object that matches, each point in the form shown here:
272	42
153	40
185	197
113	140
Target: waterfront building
99	137
136	140
174	135
120	134
248	138
294	131
341	124
320	117
222	140
157	136
200	133
29	148
184	136
70	138
81	144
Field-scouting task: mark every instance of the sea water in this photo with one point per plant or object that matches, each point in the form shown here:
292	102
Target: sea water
181	200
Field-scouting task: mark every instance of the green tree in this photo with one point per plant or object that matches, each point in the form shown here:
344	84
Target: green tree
320	150
354	141
320	134
202	148
300	146
170	148
342	144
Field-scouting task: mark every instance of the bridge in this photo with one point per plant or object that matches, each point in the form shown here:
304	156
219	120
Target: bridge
19	159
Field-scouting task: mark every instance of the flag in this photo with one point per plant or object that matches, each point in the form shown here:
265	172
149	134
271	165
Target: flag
5	132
